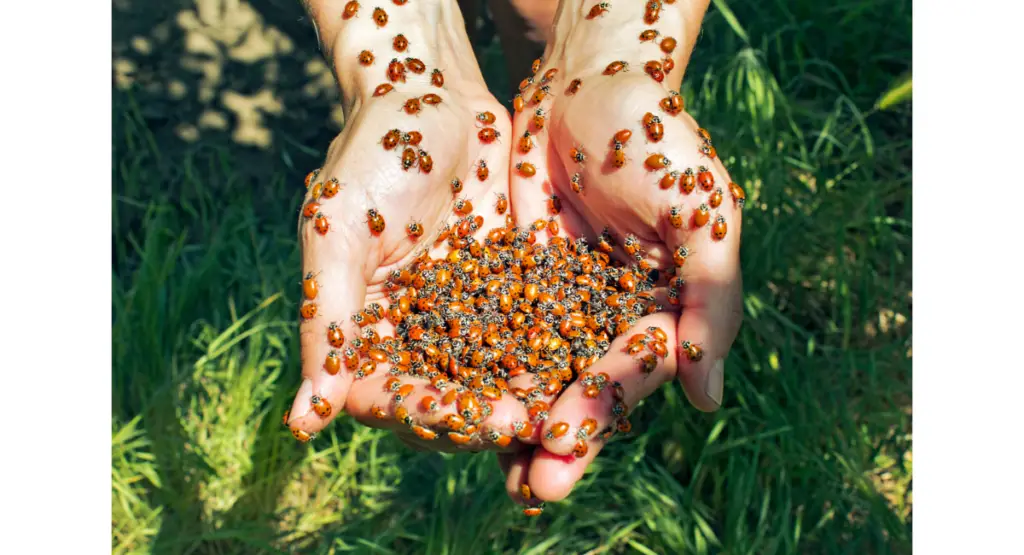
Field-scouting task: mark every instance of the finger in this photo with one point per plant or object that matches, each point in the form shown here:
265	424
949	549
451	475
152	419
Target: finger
515	466
552	477
340	291
582	404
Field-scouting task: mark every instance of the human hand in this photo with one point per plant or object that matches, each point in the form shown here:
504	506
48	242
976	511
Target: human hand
351	262
630	201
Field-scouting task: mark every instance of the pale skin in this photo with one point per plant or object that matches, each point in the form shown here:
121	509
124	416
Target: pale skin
351	264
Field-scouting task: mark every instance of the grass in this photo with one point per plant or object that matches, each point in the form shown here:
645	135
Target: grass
811	453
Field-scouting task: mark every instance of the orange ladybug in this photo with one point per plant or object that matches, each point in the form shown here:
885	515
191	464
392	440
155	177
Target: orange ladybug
424	433
667	64
412	138
321	406
311	176
576	183
396	71
653	68
383	89
380	17
715	199
526	169
557	430
648	35
378	412
518	103
321	224
351	9
709	151
332	364
675	216
308	311
652	12
598	10
456	184
655	129
669	179
720	228
688	181
580	449
704	135
366	58
577	154
335	336
400	43
351	359
409	158
672	104
303	436
332	187
481	171
622	136
415	65
618	156
701	215
539	94
502	205
538	119
587	428
310	288
311	209
525	84
437	78
574	87
533	511
549	75
415	230
525	143
668	44
679	256
284	419
431	99
426	162
463	207
554	205
693	352
486	118
657	162
536	64
704	178
375	221
616	66
488	135
390	139
738	194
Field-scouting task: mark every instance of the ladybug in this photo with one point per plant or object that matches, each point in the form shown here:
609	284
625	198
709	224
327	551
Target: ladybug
538	119
351	9
715	199
311	209
525	84
502	204
332	364
554	205
553	230
525	143
308	311
623	425
616	66
486	118
518	103
402	415
549	75
557	430
412	138
412	106
631	244
574	87
580	449
653	68
408	158
622	136
396	71
605	243
720	228
587	428
526	169
657	162
437	78
456	184
535	66
303	436
577	154
598	10
576	183
426	162
454	422
675	217
424	433
335	336
415	230
383	89
378	412
311	176
488	135
693	352
400	43
618	156
284	419
533	511
463	207
701	215
659	349
709	151
668	44
431	99
652	12
366	58
332	187
704	178
380	17
321	224
655	129
688	181
679	256
499	439
672	104
667	63
375	221
738	193
321	406
482	172
648	35
390	139
669	179
415	65
539	94
428	404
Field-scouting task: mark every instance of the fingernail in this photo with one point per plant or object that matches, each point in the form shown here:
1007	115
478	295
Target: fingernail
301	406
715	382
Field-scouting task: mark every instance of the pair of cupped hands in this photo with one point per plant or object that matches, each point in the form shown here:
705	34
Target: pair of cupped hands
351	264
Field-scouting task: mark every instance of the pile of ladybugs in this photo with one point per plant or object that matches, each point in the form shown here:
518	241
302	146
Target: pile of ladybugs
509	305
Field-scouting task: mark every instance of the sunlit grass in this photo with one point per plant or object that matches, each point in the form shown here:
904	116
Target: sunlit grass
811	453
